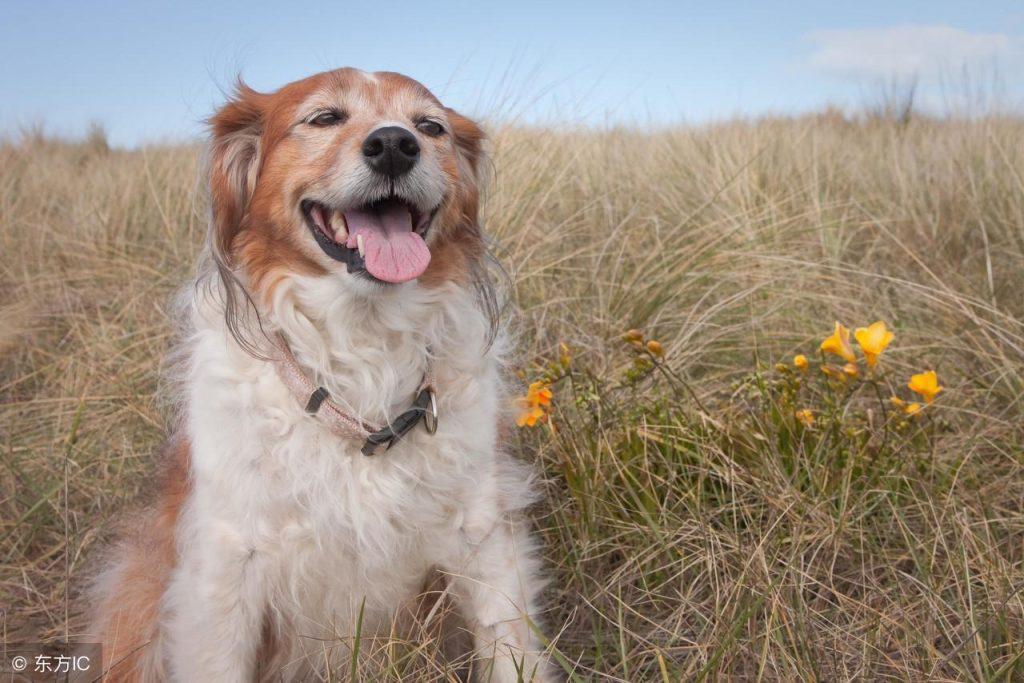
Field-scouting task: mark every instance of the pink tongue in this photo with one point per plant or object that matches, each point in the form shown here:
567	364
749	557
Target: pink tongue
393	252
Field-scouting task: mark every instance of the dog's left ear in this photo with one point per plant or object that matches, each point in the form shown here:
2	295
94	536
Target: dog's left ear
235	132
469	139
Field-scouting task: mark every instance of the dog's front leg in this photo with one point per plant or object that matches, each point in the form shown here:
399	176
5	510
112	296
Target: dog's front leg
496	585
217	605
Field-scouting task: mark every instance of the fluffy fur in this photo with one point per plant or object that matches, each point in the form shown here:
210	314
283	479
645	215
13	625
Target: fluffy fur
267	534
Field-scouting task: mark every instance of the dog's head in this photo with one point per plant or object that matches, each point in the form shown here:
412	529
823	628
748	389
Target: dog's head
363	178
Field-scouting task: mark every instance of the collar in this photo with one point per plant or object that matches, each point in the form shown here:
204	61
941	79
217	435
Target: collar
318	403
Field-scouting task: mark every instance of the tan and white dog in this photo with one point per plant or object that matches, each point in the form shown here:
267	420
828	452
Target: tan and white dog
341	402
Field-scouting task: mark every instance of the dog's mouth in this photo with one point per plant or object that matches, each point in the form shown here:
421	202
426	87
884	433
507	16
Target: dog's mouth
384	240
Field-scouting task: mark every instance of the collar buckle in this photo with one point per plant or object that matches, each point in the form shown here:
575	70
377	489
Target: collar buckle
430	415
423	408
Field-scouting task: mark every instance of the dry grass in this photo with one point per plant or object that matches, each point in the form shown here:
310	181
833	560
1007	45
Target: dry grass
683	540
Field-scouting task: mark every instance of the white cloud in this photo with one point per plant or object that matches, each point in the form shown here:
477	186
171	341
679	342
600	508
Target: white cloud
908	51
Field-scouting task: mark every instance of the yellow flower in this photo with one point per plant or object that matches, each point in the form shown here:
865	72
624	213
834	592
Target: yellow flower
800	362
926	384
834	373
634	337
531	406
655	348
806	417
565	358
839	344
907	408
873	339
851	370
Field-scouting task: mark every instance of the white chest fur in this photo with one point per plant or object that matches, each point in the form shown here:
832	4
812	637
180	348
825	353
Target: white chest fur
287	519
285	488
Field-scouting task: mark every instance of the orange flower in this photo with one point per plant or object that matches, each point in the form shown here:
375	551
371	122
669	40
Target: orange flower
926	384
800	362
873	339
851	370
531	406
805	416
540	392
839	344
655	348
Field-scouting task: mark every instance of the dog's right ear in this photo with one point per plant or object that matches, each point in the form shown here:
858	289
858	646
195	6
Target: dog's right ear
235	132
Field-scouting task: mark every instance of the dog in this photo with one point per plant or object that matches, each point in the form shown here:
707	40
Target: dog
342	403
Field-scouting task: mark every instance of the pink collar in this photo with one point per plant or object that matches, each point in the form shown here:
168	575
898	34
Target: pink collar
317	402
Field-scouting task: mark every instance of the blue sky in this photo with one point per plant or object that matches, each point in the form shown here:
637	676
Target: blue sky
153	70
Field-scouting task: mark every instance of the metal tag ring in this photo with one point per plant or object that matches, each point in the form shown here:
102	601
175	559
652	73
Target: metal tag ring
430	416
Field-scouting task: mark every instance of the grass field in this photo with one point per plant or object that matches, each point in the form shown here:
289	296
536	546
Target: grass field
694	526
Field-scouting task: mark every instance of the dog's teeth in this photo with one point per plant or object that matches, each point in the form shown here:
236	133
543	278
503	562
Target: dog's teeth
318	217
341	232
361	246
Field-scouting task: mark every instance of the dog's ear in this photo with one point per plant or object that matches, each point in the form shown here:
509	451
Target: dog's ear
235	132
469	140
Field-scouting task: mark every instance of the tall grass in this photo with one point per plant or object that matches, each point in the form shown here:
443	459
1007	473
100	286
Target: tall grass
687	535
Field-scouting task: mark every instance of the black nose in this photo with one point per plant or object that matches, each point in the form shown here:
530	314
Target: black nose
391	150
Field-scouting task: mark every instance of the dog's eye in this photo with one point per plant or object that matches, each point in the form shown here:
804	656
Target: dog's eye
327	118
430	127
